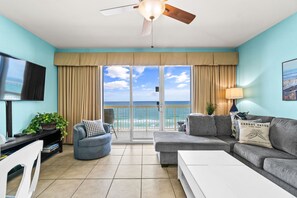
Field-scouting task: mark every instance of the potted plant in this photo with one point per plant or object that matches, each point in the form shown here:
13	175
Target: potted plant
210	108
47	121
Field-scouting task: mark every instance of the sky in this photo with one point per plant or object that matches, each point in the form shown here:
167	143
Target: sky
144	81
16	73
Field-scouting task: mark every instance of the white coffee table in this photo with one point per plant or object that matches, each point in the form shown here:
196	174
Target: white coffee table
216	174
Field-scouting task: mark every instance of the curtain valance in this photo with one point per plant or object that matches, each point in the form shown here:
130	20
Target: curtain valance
146	58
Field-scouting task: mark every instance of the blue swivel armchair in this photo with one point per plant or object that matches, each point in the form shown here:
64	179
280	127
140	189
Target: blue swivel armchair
87	148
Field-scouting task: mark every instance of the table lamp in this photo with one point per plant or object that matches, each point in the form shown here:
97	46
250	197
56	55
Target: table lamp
233	94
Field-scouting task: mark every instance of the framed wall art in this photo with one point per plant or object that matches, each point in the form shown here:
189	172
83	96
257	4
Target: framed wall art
290	80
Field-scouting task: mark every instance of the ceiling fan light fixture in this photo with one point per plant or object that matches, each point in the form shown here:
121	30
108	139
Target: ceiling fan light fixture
151	9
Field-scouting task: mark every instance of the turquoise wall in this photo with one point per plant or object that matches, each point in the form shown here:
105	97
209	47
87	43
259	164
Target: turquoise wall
260	70
20	43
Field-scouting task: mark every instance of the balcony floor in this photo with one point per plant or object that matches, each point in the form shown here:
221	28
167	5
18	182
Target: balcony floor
139	136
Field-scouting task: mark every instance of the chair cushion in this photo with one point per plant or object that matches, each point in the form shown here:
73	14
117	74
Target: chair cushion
95	140
174	141
257	154
94	127
283	135
202	125
284	169
223	124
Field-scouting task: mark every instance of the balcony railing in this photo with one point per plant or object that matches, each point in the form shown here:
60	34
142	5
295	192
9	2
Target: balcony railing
146	118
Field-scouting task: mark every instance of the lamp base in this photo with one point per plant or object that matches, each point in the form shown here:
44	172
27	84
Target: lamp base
233	108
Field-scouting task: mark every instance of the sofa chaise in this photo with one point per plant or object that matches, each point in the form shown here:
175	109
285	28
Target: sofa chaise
279	164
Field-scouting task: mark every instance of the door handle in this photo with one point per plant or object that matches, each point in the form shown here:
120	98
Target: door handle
158	105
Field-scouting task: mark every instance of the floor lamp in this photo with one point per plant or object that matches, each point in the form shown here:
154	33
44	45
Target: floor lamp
233	94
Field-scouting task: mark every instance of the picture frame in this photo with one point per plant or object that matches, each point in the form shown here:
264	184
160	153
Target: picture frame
289	80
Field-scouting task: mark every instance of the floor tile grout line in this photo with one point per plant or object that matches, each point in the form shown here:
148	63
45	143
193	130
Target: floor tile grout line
83	180
44	189
77	188
115	173
171	184
53	181
141	173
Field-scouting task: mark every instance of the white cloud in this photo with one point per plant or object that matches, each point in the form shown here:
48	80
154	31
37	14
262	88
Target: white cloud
138	72
181	85
139	69
118	72
116	85
182	78
168	75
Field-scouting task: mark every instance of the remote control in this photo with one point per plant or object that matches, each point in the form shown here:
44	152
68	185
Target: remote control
19	134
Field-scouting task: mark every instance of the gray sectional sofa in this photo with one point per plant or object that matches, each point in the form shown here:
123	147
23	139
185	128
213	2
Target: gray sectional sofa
278	164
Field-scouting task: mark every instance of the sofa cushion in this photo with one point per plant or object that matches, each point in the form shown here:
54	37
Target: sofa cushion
174	141
95	140
202	125
283	135
257	154
284	169
229	140
264	119
223	124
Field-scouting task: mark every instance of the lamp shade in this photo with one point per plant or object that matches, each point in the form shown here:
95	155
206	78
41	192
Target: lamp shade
151	9
234	93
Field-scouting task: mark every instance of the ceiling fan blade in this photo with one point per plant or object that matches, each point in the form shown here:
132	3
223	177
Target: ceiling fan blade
178	14
118	10
146	28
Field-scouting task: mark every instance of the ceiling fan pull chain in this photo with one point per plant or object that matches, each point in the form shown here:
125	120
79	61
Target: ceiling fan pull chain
152	39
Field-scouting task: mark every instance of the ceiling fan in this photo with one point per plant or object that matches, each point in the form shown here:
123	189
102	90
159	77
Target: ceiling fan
151	10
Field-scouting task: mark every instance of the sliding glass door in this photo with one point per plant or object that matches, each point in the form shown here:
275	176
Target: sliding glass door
116	95
145	99
177	96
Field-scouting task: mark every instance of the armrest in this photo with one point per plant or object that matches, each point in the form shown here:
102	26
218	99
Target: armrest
79	133
106	127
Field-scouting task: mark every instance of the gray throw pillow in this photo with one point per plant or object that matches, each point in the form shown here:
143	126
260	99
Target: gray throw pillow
94	127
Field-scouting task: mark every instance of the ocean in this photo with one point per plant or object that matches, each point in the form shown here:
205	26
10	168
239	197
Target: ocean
146	114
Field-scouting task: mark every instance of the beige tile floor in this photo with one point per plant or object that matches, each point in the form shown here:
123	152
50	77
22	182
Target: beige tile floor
129	171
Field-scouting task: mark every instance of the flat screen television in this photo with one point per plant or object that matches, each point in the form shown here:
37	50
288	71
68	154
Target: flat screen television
20	80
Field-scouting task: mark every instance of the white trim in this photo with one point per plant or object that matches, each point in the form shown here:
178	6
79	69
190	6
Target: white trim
191	87
131	105
161	98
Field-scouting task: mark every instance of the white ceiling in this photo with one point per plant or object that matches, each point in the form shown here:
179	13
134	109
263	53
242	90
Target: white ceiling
79	24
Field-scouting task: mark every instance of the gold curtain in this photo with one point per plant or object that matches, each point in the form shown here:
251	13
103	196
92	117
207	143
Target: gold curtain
227	80
78	95
209	84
